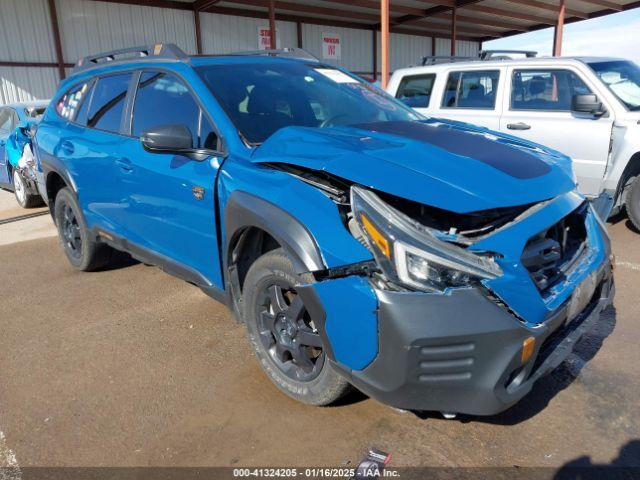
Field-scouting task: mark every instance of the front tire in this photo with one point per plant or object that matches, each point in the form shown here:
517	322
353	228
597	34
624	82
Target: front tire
83	252
283	334
632	202
23	197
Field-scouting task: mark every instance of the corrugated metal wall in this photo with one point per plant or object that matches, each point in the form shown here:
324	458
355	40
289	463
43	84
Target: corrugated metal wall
463	48
25	36
356	46
226	33
88	27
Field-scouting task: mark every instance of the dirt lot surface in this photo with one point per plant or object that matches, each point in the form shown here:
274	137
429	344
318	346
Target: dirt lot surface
131	367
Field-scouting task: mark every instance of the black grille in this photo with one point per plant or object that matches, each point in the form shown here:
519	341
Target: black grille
550	255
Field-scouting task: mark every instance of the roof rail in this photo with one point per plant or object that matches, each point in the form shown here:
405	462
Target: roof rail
434	59
288	52
504	54
159	51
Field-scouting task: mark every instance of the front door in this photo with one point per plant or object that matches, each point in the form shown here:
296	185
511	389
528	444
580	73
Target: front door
539	109
171	205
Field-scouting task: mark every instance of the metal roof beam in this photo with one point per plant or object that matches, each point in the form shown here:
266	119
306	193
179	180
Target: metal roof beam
202	5
312	9
549	7
489	22
509	14
606	4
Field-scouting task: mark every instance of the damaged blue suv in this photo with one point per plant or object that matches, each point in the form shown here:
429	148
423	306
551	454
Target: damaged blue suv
431	264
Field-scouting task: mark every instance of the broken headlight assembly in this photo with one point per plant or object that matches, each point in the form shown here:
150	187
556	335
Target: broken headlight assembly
413	254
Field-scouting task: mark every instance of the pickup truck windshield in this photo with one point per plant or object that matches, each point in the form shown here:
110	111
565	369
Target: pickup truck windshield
261	98
622	78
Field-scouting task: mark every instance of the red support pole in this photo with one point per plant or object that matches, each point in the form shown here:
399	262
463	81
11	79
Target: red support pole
454	32
272	24
433	45
299	30
384	23
557	37
53	14
196	21
375	54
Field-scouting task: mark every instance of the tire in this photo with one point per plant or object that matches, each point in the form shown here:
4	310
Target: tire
632	202
83	252
282	333
24	198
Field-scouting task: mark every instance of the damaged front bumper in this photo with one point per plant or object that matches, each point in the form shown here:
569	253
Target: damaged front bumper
466	350
457	353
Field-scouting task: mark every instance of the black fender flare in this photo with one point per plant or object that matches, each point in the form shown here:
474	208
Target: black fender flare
244	210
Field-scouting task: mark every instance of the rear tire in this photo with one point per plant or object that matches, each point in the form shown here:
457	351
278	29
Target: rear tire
23	197
284	336
83	252
632	202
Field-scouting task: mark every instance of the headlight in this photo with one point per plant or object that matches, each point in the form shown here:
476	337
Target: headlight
413	254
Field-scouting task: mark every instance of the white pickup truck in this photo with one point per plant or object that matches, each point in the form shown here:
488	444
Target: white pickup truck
586	108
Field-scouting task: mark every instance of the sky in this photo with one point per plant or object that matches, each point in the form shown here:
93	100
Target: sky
616	35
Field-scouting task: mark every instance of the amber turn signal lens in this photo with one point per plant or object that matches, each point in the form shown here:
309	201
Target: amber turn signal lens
528	346
381	242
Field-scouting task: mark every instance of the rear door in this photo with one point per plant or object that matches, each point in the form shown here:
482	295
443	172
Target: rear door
8	123
171	198
471	95
538	108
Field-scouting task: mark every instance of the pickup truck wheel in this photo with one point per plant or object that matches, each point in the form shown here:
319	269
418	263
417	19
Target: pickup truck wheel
283	334
23	197
83	252
633	202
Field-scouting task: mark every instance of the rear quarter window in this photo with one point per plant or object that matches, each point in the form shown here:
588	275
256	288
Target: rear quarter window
415	90
73	101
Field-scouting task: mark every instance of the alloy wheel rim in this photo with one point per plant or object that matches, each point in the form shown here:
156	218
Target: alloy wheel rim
18	187
70	231
288	333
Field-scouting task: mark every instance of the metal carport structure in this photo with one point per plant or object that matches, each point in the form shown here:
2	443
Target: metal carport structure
46	37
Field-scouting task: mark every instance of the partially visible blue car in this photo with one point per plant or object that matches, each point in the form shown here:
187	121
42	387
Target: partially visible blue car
16	120
432	264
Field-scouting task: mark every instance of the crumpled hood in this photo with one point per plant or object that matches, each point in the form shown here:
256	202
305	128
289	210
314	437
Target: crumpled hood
450	165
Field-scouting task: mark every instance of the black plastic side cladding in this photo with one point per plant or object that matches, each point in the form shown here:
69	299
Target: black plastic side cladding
245	210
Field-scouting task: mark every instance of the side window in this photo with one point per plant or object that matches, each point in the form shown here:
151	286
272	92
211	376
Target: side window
545	89
473	89
6	119
177	105
73	101
108	102
415	90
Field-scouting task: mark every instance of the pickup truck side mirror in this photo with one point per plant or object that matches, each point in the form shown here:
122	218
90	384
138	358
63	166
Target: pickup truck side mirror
587	103
168	139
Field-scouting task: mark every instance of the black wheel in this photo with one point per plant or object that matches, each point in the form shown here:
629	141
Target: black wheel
283	334
81	249
23	197
632	202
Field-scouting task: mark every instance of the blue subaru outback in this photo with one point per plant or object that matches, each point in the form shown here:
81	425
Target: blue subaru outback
432	264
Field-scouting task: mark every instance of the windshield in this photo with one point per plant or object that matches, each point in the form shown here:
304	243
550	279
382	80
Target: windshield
262	98
622	78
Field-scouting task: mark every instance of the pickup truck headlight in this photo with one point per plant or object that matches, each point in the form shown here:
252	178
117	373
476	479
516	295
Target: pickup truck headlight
413	254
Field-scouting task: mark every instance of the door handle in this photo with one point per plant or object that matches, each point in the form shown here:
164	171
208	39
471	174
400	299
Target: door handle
518	126
67	147
125	164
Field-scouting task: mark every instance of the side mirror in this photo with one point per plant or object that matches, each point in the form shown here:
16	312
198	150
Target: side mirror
176	139
588	103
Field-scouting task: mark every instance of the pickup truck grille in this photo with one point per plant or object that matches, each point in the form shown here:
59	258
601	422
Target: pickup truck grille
549	255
